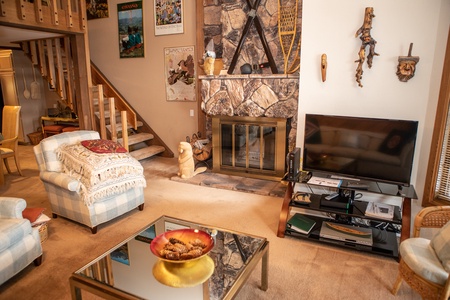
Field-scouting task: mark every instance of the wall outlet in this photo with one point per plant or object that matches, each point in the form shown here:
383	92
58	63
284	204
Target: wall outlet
191	112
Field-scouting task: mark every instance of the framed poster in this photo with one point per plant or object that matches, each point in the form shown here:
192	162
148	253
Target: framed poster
168	17
97	9
131	36
180	73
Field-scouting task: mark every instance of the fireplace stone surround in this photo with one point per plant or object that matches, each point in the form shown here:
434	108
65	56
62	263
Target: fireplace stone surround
261	95
253	95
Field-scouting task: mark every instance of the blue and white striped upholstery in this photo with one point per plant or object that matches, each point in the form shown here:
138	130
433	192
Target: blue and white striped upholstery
421	258
19	243
441	245
62	190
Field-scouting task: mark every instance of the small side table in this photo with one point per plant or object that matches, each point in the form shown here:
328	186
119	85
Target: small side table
57	126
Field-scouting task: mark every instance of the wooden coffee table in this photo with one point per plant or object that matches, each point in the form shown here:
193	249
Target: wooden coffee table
126	271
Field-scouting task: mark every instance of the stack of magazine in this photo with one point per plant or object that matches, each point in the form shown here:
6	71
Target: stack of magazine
380	210
300	223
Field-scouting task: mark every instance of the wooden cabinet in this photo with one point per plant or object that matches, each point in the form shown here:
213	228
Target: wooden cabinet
8	84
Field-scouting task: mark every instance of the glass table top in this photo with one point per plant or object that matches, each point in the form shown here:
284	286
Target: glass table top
132	268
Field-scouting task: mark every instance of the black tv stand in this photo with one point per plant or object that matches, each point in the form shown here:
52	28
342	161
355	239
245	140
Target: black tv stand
384	231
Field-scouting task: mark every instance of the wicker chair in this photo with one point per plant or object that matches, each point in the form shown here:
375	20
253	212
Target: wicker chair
418	255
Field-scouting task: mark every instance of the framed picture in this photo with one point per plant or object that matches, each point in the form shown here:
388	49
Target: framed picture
180	73
97	9
168	17
121	255
131	35
147	235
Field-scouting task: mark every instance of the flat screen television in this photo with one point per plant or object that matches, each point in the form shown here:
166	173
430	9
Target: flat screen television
380	150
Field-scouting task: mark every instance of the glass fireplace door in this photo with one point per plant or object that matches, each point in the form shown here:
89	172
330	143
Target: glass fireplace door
255	146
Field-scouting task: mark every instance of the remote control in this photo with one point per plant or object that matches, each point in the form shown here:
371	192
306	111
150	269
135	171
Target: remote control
331	196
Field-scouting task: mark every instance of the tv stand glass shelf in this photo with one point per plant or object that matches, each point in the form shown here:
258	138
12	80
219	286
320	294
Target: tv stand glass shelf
384	232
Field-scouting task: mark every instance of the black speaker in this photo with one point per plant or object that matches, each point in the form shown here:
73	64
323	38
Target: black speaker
293	164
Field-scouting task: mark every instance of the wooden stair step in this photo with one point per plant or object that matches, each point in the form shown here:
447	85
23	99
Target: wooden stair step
147	152
107	114
119	126
138	138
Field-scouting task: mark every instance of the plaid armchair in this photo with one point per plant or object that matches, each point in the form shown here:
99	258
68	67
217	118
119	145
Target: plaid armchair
20	244
64	190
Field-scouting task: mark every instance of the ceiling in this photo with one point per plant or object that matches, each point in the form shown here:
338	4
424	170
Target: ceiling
9	36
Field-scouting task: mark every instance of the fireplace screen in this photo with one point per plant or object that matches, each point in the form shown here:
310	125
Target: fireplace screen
249	146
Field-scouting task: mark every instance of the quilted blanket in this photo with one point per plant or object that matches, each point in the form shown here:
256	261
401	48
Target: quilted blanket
100	175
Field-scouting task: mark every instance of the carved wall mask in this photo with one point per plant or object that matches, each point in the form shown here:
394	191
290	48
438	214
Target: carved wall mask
407	66
406	70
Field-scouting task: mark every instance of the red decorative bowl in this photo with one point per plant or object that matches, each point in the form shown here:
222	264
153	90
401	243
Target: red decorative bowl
184	235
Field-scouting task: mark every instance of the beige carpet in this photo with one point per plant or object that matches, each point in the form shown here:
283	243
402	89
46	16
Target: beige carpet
298	269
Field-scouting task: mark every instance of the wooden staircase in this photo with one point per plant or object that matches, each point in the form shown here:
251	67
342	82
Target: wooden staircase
52	57
138	143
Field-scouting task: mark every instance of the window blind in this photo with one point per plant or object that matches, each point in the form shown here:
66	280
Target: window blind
443	178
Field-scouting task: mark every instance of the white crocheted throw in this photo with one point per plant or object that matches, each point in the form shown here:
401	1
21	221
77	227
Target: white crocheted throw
100	175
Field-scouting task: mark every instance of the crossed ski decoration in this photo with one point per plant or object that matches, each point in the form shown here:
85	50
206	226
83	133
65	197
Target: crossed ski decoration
253	18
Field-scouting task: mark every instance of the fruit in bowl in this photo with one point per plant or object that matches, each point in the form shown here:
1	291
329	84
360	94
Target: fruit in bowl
182	245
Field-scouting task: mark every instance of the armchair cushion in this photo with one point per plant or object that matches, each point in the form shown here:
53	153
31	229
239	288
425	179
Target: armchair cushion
50	144
420	256
32	213
13	231
103	146
61	179
100	175
441	245
11	208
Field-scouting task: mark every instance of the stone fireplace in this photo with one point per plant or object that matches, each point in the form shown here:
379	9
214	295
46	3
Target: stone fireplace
254	112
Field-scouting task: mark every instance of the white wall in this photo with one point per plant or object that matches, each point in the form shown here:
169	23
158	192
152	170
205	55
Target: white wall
329	27
141	80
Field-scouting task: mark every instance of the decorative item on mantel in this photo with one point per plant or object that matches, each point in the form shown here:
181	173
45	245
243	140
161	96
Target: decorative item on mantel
287	31
364	34
186	162
407	66
252	18
208	58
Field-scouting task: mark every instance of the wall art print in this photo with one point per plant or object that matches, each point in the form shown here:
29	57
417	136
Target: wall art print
131	35
180	73
97	9
168	17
